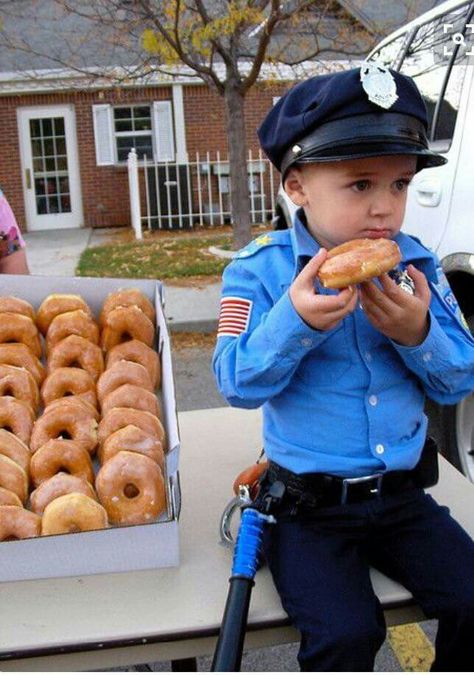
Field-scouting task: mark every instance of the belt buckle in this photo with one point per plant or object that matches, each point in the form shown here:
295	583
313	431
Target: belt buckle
346	482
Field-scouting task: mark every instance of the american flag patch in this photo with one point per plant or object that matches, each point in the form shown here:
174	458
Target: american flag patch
234	316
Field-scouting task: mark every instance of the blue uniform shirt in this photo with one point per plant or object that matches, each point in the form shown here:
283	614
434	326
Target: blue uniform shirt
347	401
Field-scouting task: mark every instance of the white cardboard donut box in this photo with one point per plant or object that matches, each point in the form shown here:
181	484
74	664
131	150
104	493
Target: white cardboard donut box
116	549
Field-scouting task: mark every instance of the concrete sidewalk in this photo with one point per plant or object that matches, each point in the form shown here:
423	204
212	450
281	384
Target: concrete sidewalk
57	252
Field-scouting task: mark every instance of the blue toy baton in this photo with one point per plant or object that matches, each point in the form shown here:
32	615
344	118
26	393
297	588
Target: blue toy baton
229	648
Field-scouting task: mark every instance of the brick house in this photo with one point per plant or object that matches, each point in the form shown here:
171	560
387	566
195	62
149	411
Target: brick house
65	144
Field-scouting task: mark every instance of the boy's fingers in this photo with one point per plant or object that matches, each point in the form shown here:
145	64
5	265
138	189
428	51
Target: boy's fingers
310	271
422	290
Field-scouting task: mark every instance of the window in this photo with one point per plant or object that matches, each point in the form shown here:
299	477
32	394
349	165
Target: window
427	61
387	55
146	127
132	128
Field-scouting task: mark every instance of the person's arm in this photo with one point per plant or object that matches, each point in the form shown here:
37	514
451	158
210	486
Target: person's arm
15	263
252	364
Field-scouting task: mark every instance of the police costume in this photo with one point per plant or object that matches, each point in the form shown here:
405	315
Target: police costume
343	420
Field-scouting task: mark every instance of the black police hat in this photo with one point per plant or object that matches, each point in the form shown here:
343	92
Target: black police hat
363	112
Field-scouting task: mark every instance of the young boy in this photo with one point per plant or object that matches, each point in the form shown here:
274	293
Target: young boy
342	375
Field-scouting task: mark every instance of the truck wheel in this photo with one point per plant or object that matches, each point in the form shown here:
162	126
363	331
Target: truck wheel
458	426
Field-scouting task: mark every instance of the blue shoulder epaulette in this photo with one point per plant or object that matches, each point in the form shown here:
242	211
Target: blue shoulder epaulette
276	238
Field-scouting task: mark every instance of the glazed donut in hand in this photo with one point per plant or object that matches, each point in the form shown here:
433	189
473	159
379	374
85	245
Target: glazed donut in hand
58	303
57	455
60	484
19	383
76	322
13	478
67	423
358	260
20	328
9	498
131	488
75	351
73	512
126	297
14	448
65	382
18	523
139	352
9	303
117	418
123	372
16	416
131	396
17	354
126	323
132	439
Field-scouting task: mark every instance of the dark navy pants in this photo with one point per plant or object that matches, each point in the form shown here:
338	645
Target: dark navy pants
320	564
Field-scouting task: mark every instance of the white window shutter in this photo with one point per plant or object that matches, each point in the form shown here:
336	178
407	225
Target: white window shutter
103	134
163	128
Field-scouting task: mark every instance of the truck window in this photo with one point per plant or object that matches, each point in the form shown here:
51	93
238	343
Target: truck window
389	53
427	61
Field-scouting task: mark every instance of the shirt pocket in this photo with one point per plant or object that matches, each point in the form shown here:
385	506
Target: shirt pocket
329	361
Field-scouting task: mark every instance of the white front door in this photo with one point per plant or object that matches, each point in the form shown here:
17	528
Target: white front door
50	167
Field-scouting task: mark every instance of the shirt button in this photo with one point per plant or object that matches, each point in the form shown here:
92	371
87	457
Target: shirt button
368	356
373	400
428	356
307	342
379	449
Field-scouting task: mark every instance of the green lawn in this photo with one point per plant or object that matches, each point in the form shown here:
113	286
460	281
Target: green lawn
162	257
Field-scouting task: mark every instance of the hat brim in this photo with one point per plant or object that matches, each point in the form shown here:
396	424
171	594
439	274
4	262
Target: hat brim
426	158
369	135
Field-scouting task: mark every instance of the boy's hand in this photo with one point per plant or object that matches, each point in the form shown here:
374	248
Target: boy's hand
394	312
322	312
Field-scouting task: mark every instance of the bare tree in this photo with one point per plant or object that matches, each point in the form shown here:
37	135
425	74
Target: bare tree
225	43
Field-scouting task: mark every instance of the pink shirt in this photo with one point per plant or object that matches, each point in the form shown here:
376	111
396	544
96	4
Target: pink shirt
10	235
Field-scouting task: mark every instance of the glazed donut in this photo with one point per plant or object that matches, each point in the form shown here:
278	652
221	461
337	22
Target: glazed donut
126	297
58	303
122	372
73	512
68	424
132	439
139	352
9	498
76	351
20	328
14	448
58	455
13	478
18	523
9	303
73	403
117	418
16	416
131	488
358	260
76	322
131	396
60	484
64	382
18	354
19	383
126	323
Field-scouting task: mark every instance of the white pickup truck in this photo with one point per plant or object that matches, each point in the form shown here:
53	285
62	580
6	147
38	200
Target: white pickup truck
437	50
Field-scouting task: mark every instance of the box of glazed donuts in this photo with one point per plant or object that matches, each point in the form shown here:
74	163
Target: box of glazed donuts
89	445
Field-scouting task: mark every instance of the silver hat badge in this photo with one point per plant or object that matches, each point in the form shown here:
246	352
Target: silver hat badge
379	84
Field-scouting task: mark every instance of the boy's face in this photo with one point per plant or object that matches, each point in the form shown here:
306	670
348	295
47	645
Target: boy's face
353	198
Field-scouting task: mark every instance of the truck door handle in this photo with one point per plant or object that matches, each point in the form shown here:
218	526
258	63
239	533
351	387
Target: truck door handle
428	191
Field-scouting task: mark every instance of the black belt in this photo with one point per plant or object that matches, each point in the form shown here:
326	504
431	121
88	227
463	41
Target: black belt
320	489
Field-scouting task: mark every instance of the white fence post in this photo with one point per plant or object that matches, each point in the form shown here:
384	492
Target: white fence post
132	166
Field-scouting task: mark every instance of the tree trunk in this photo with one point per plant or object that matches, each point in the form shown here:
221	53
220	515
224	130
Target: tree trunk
239	188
